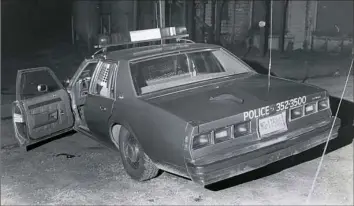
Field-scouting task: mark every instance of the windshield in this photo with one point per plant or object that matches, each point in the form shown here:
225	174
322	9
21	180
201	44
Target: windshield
183	68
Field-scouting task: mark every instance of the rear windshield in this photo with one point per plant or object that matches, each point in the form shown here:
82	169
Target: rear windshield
183	68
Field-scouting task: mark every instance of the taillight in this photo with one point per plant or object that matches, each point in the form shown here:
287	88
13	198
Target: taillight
221	135
242	129
323	104
202	140
310	108
296	113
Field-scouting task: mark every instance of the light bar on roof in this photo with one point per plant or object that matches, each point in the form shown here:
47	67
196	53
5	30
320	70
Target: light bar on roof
145	35
168	32
158	34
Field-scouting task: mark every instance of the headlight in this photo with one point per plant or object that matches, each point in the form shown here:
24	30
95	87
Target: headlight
323	104
242	129
221	135
201	140
310	108
296	113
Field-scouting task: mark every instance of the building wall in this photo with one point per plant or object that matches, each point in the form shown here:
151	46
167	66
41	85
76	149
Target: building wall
86	20
311	25
335	12
89	15
121	12
236	21
296	23
303	20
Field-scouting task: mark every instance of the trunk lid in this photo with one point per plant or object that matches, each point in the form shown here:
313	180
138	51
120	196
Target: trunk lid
232	97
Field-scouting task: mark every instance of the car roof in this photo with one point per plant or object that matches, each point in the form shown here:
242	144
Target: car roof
148	51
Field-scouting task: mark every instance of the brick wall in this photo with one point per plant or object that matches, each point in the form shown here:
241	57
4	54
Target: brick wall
296	22
304	24
237	21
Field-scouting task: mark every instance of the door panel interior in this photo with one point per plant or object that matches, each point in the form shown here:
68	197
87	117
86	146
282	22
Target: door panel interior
48	114
44	104
81	89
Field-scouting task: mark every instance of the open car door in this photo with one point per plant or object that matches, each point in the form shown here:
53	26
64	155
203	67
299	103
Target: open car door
42	108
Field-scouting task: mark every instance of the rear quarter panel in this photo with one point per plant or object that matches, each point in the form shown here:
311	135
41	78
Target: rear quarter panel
161	134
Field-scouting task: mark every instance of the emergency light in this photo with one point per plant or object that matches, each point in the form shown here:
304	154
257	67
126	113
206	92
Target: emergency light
147	35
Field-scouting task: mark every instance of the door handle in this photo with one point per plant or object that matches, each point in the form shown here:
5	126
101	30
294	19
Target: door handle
103	108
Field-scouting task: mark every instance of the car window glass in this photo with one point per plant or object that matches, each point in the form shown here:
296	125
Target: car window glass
159	70
104	82
88	70
228	62
205	62
29	82
184	68
166	67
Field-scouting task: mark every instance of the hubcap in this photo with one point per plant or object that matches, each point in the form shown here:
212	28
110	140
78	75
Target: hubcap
131	152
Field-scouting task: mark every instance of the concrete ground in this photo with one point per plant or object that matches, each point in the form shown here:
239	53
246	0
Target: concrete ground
77	170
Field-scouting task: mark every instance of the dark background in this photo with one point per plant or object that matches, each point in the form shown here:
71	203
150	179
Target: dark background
28	25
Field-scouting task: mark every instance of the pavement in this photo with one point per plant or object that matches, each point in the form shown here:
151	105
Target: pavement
76	170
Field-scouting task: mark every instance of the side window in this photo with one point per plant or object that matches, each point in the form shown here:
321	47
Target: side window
88	71
34	83
104	84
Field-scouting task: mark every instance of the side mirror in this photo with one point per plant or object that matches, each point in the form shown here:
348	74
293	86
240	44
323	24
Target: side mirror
42	88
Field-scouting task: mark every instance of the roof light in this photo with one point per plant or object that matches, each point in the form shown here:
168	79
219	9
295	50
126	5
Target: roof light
143	35
158	34
148	35
169	31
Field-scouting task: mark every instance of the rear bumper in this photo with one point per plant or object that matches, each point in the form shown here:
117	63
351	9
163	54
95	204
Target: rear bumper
206	174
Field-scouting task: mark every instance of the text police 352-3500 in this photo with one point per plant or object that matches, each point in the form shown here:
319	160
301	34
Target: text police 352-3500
280	106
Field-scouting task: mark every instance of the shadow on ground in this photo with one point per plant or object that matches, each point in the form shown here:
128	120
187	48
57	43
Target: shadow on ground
346	131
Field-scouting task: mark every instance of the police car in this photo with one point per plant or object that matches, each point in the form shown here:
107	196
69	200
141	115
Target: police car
191	109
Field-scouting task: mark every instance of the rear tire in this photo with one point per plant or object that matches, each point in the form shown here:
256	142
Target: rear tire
136	163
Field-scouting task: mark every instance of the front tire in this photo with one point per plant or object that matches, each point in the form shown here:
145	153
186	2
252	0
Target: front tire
136	163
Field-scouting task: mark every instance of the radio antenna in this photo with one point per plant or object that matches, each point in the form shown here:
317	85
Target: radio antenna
271	43
308	199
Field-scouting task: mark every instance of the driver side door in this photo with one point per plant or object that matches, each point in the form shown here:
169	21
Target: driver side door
42	108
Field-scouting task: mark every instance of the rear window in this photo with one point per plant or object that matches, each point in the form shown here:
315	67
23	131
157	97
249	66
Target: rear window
184	68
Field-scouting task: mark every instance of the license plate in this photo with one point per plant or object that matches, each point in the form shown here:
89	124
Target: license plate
272	125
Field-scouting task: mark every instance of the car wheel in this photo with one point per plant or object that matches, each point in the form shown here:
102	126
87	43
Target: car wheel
136	163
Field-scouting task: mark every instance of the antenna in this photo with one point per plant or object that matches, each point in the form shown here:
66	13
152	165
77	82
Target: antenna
271	43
